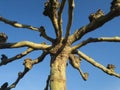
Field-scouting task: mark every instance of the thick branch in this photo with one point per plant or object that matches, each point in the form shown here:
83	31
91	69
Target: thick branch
93	25
24	44
18	56
55	24
96	64
51	10
60	17
19	25
70	17
101	39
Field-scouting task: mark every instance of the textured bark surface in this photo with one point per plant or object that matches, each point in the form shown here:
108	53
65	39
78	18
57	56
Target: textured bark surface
58	70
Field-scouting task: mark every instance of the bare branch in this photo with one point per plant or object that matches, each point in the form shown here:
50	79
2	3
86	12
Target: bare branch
25	44
20	76
18	56
96	15
43	33
17	25
101	39
93	25
55	24
27	66
70	17
51	10
96	64
75	62
60	17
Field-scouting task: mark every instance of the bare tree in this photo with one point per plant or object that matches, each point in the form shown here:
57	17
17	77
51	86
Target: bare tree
62	48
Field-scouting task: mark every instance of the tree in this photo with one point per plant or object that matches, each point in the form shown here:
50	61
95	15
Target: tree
62	48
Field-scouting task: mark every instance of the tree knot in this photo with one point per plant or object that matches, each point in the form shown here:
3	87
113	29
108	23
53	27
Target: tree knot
28	63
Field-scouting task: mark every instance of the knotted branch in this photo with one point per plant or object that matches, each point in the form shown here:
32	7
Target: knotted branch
17	25
98	65
75	62
51	10
6	60
27	66
98	20
30	27
3	37
43	34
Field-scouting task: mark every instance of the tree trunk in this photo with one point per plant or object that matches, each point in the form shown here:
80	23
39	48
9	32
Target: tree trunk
58	70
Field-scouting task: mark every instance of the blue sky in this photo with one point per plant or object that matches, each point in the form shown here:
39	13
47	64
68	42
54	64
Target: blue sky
30	12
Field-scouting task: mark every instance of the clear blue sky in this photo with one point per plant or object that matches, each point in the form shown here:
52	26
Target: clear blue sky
30	12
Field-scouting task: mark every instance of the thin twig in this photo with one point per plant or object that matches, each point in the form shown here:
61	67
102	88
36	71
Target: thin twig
47	83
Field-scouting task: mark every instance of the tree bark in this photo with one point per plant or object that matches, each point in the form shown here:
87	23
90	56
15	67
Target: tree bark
58	70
